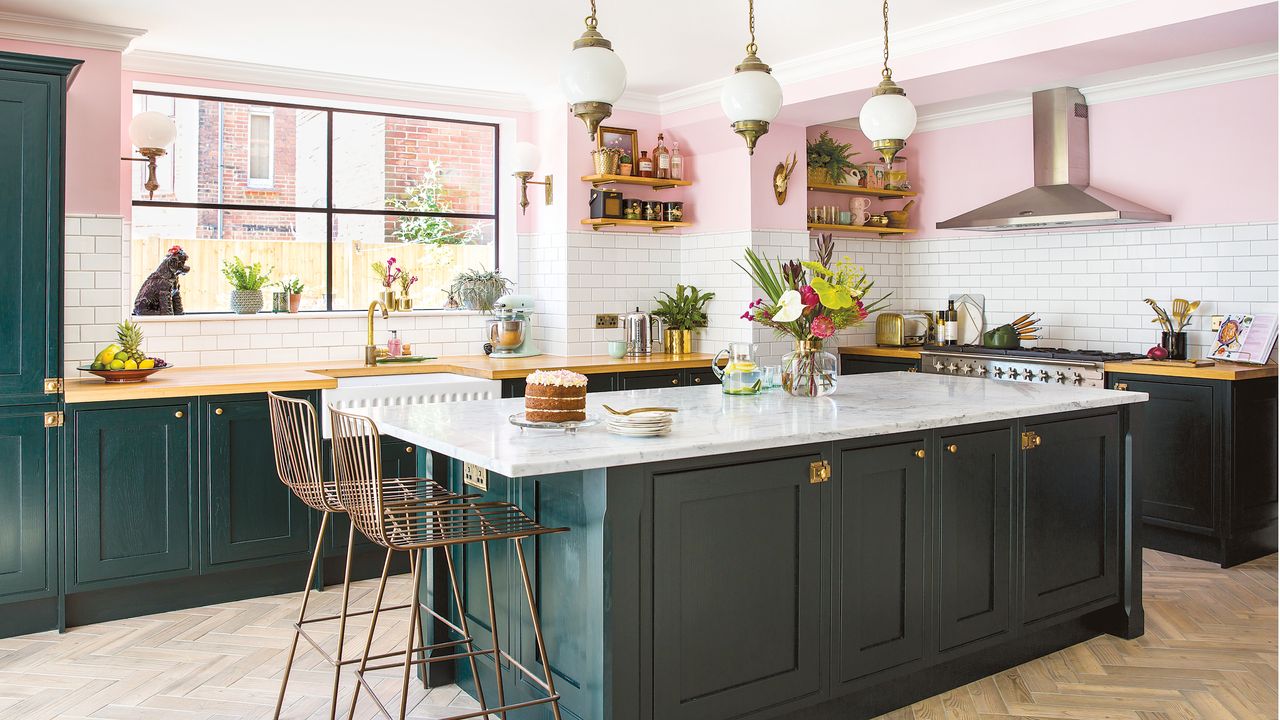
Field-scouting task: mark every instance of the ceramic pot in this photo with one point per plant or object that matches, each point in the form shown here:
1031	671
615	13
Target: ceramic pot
246	302
809	371
1175	343
295	300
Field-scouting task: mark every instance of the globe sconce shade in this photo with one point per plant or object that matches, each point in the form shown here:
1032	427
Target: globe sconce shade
592	76
151	133
526	161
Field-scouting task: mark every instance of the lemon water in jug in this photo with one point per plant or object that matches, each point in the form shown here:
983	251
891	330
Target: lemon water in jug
741	375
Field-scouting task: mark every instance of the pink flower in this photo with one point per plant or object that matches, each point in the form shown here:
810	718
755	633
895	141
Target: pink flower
862	311
746	315
822	327
808	296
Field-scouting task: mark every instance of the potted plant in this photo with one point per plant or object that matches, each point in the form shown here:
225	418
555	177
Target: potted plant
247	282
406	281
293	287
828	161
479	289
684	312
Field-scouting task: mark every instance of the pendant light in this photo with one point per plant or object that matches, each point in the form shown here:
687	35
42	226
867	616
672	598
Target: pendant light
751	97
888	117
592	76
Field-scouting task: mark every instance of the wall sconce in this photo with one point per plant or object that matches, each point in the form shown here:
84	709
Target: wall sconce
151	133
527	157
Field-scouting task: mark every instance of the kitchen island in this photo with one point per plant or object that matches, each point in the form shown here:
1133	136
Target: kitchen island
777	557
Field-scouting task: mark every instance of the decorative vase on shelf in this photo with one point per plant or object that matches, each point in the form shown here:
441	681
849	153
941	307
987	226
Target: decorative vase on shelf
404	303
246	302
295	301
388	299
809	371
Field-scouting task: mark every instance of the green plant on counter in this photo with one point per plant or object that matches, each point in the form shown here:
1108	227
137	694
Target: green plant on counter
245	277
427	196
833	157
292	284
479	289
686	310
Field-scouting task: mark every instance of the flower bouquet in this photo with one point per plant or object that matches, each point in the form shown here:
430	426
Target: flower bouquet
809	301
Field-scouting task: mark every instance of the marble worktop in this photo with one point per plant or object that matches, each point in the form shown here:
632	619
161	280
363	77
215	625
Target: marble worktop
710	422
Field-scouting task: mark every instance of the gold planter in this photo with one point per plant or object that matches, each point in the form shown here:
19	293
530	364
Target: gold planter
388	298
404	303
820	176
678	342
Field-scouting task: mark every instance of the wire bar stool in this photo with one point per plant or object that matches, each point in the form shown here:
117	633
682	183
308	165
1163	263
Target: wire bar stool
417	524
295	437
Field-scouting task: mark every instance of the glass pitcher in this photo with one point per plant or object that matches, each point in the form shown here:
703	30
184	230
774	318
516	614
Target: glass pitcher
741	375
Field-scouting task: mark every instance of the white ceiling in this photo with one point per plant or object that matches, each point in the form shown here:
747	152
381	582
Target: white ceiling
511	46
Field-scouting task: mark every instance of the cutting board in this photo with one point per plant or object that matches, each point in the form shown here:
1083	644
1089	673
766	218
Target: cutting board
971	317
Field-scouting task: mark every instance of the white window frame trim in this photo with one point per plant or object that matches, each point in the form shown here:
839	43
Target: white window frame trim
269	181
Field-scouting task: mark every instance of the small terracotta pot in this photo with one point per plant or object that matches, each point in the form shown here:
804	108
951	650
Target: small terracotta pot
295	300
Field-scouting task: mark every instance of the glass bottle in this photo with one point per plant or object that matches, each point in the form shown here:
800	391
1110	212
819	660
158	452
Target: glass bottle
953	323
677	161
661	160
809	371
644	166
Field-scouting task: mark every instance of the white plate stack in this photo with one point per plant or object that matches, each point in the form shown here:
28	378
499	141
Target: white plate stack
641	424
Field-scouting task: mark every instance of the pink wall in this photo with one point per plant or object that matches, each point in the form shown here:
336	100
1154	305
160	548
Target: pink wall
94	135
1156	150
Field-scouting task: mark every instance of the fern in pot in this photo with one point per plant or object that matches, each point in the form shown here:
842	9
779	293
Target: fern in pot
479	289
828	161
684	312
246	282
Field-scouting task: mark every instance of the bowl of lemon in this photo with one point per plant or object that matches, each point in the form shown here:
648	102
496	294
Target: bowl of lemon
123	361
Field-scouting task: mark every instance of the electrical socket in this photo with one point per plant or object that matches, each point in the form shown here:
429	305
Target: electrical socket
475	476
604	321
1215	322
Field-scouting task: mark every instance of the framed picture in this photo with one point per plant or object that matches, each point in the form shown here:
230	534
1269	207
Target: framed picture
623	139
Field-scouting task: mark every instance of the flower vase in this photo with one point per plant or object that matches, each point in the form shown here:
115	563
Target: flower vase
404	303
388	299
809	371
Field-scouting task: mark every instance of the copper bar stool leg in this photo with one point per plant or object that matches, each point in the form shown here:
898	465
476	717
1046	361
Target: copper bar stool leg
414	629
466	627
493	626
537	627
302	613
368	643
342	623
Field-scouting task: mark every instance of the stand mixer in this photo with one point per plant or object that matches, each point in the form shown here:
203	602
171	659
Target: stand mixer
510	330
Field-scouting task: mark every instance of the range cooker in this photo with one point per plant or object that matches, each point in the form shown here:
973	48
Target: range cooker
1059	366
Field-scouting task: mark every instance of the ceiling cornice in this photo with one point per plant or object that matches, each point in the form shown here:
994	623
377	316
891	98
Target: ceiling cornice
1174	81
32	28
205	68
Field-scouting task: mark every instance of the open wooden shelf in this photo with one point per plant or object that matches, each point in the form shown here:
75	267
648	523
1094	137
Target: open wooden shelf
861	229
654	225
881	193
655	183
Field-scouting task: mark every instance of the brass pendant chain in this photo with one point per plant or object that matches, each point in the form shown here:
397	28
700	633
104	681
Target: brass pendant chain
591	20
751	26
886	72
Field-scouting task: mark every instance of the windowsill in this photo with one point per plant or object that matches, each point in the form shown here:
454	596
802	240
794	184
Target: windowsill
218	317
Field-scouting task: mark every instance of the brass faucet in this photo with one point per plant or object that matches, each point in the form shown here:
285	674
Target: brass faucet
371	350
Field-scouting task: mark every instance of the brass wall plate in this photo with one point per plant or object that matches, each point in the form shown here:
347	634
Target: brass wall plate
53	419
475	476
605	321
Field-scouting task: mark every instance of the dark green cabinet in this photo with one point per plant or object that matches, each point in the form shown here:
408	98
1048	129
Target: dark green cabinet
649	380
857	364
606	382
250	517
130	494
975	536
1070	489
702	376
724	534
1206	460
27	507
878	541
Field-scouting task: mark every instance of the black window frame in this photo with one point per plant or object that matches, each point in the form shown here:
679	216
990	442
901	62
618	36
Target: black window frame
329	210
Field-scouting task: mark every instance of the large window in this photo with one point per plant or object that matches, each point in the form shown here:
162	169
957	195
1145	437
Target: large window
321	193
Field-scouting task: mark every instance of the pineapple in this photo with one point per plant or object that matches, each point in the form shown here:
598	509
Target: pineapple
129	335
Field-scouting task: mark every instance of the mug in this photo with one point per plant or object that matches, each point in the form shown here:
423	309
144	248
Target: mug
617	348
861	207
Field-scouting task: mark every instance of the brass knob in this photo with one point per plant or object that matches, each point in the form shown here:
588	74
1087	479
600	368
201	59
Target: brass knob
698	380
217	411
1122	386
675	381
178	414
409	449
952	449
920	453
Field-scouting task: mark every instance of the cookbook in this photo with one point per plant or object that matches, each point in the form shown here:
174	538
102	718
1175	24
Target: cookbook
1246	338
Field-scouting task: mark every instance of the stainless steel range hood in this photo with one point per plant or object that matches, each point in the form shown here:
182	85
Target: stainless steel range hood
1061	196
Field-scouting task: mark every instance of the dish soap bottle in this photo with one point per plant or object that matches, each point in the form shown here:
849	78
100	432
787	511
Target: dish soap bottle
394	346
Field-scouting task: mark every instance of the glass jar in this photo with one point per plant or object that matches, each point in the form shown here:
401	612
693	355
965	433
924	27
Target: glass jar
809	371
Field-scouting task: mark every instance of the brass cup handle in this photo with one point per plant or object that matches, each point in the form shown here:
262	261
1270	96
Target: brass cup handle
178	414
217	411
953	449
919	453
409	449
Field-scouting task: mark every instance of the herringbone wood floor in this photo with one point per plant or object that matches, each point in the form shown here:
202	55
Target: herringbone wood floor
1209	652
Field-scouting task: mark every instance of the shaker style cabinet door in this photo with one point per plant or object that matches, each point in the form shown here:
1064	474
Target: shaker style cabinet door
1070	525
878	525
975	479
27	463
748	530
131	494
648	380
1175	453
250	517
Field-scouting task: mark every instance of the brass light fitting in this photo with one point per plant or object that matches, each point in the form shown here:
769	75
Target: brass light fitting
149	156
752	96
888	147
525	182
592	112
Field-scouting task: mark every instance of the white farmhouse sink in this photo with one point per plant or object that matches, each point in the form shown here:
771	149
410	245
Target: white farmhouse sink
376	391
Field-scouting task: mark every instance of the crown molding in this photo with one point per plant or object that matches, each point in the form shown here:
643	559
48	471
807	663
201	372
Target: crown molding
32	28
204	68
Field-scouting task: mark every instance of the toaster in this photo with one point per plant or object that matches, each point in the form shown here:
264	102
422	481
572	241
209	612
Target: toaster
901	329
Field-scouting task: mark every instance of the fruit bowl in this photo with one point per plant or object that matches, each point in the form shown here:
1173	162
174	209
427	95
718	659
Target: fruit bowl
123	376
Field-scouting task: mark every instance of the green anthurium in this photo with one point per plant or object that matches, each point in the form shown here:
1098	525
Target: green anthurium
816	268
832	296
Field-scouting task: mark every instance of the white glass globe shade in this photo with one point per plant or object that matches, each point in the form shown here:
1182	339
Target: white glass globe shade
152	130
751	95
593	74
887	117
526	157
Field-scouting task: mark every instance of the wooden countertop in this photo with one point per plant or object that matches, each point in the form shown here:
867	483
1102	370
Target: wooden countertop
322	375
909	353
1216	371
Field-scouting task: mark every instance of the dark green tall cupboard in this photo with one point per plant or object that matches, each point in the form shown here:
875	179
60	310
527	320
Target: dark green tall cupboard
32	132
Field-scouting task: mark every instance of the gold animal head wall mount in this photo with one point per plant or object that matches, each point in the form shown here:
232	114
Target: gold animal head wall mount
782	176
